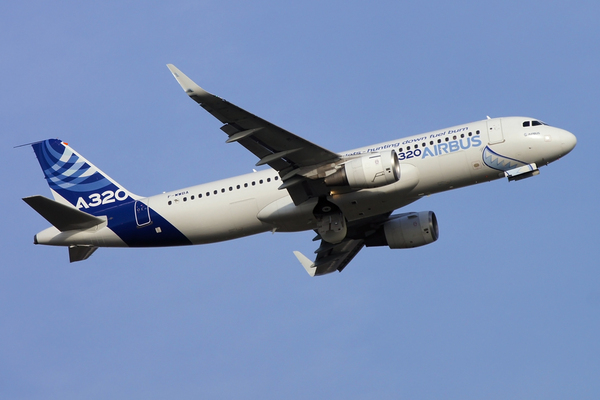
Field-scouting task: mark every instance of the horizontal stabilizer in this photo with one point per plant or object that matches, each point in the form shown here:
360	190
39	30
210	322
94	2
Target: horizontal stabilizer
63	217
80	253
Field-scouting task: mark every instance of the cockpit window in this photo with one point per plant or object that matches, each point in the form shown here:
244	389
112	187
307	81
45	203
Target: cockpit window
533	123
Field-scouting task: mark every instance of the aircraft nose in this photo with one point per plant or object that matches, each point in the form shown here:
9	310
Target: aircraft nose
567	141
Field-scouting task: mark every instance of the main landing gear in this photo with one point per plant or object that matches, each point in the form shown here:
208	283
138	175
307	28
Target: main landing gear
331	224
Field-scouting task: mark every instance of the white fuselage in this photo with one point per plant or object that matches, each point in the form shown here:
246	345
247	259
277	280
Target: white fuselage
430	163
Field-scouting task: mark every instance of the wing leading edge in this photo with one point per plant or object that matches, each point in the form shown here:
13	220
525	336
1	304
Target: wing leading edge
283	151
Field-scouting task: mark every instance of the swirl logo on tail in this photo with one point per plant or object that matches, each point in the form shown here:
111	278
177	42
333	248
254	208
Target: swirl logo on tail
75	180
66	170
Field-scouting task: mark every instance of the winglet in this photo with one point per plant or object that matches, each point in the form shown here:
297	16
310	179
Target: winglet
188	85
308	265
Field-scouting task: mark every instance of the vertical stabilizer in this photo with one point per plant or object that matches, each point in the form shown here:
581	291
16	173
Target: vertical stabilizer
75	181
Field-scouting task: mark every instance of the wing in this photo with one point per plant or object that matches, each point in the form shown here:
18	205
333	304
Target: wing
335	257
331	257
281	150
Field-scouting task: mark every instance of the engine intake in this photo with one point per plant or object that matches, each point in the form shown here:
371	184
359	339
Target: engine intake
406	230
368	171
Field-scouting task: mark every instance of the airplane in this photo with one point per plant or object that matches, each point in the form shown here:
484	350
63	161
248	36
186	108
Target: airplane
347	198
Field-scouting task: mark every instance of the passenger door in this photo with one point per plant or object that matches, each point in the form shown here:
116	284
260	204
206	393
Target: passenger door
495	134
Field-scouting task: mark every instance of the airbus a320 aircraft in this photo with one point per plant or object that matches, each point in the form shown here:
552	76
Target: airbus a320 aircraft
347	198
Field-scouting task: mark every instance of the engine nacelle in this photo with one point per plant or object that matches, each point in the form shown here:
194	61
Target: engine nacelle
368	171
406	230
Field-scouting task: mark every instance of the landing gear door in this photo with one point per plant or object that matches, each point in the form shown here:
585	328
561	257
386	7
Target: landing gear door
495	134
142	212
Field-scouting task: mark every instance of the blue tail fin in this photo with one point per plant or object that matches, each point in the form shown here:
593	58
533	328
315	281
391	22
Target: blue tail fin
75	181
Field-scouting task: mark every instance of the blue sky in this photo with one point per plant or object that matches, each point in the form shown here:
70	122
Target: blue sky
506	304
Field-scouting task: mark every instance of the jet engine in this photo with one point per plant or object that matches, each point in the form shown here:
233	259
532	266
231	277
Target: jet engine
406	230
368	171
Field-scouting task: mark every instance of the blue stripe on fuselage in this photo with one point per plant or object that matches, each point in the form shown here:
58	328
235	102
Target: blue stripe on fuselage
160	232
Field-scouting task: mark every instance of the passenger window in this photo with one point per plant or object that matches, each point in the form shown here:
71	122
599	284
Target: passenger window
245	185
268	179
230	188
